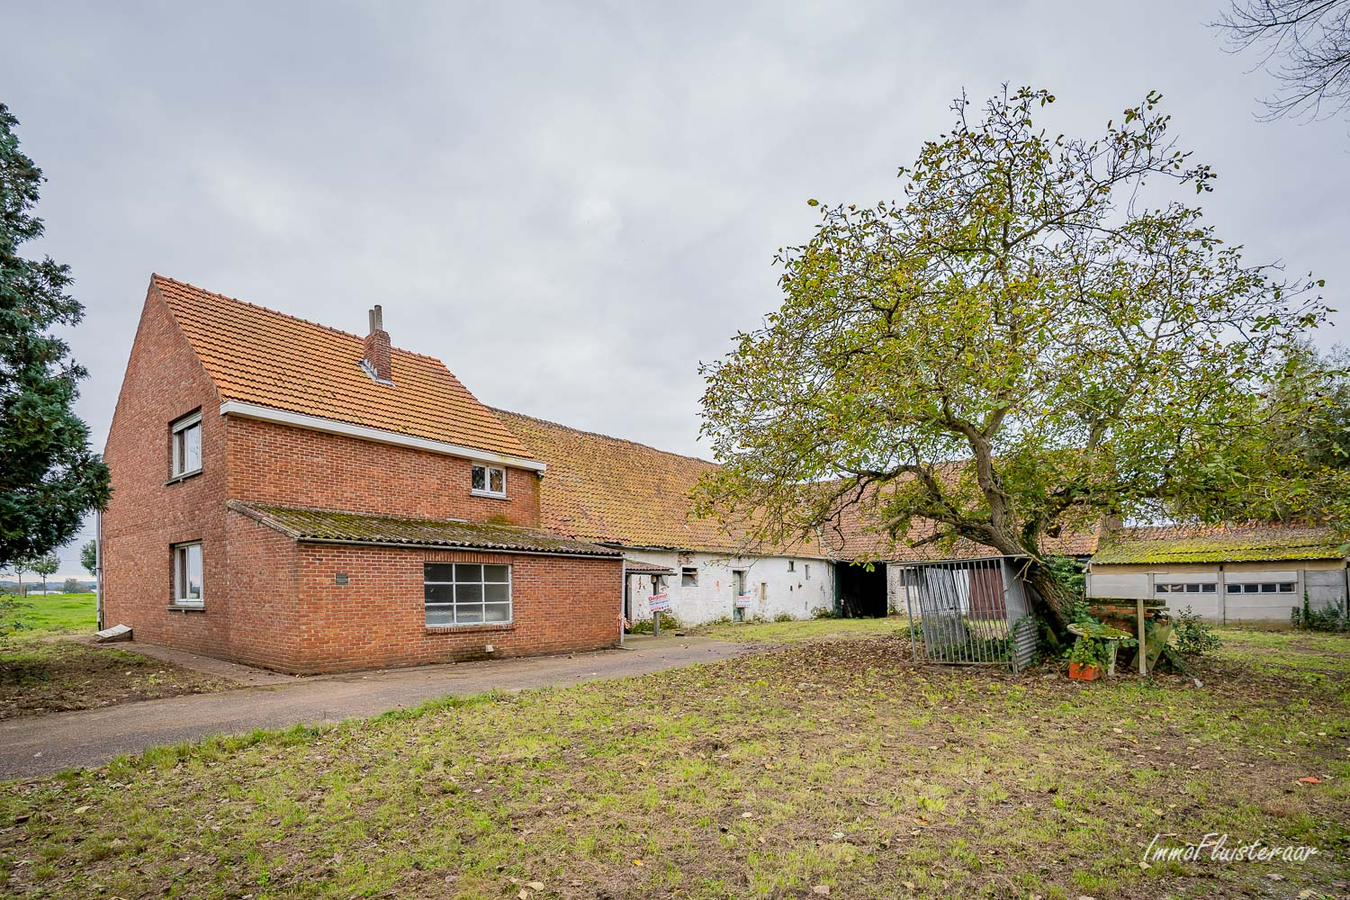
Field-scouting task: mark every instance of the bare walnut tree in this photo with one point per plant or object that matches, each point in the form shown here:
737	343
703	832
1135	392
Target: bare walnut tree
1020	346
1307	47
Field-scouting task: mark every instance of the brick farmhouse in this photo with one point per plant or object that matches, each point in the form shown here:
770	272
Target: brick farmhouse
297	497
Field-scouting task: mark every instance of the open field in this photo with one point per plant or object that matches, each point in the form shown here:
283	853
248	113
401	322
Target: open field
59	613
833	765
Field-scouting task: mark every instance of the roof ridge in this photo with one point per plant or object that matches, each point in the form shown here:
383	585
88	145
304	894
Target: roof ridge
608	437
155	276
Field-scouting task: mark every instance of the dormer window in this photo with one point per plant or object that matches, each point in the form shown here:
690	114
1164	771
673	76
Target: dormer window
488	481
185	443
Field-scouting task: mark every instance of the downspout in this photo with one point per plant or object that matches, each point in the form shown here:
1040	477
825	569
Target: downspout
98	569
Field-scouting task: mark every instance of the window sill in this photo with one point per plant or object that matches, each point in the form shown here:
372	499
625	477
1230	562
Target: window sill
459	629
186	607
489	494
183	476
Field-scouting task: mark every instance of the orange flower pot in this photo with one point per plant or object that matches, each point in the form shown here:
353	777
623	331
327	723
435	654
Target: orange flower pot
1084	673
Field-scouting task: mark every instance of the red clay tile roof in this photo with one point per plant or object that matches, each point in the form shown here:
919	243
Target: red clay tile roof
601	488
854	535
326	525
1241	542
256	355
606	489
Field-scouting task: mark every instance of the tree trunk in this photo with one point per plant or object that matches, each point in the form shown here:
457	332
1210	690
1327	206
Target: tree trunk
1049	599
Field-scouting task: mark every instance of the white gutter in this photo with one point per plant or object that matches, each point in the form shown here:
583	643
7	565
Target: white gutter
361	432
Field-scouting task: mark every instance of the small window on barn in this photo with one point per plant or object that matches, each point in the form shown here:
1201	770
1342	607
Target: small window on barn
489	481
1287	587
185	444
466	594
808	571
187	575
792	565
688	577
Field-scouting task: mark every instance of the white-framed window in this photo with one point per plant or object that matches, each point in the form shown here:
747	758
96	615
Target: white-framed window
1207	587
467	593
688	577
488	481
187	574
185	442
1264	587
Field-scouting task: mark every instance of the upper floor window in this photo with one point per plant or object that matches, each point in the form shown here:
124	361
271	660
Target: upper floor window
490	481
187	575
186	443
688	577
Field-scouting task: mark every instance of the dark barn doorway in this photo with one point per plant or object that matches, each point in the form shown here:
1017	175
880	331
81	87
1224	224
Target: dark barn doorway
862	594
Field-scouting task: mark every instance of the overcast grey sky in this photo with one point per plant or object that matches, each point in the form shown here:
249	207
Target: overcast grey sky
572	205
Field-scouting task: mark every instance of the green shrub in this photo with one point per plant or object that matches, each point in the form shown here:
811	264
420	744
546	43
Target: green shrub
1330	617
823	612
1193	637
783	617
644	626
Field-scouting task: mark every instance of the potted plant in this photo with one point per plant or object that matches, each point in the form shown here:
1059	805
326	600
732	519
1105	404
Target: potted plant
1087	658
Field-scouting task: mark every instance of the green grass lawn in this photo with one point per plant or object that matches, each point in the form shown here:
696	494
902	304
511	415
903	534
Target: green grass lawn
59	613
803	630
828	764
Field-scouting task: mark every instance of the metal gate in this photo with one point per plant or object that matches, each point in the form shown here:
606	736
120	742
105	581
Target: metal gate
970	611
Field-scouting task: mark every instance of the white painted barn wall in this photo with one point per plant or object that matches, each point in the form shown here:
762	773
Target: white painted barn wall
794	592
1325	581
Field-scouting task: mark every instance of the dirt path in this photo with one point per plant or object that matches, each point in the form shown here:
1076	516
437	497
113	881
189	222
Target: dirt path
45	744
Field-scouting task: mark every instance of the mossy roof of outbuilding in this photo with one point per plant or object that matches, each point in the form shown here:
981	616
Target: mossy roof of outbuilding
335	526
1247	542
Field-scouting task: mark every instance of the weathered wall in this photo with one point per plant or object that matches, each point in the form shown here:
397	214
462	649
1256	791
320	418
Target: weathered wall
773	588
1324	580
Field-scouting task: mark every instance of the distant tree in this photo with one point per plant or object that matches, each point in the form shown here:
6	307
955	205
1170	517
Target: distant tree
1020	346
89	557
49	478
45	566
72	586
1307	47
19	567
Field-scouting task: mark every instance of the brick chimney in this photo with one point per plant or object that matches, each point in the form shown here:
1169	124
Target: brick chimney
376	361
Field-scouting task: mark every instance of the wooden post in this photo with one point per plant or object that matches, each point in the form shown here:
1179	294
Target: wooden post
1143	648
656	613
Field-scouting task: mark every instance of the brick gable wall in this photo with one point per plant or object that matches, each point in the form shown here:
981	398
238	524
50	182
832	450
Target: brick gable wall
146	515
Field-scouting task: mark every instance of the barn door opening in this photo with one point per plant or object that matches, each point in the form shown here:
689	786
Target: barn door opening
861	593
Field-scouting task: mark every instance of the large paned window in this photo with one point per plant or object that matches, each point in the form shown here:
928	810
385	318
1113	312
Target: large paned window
467	593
